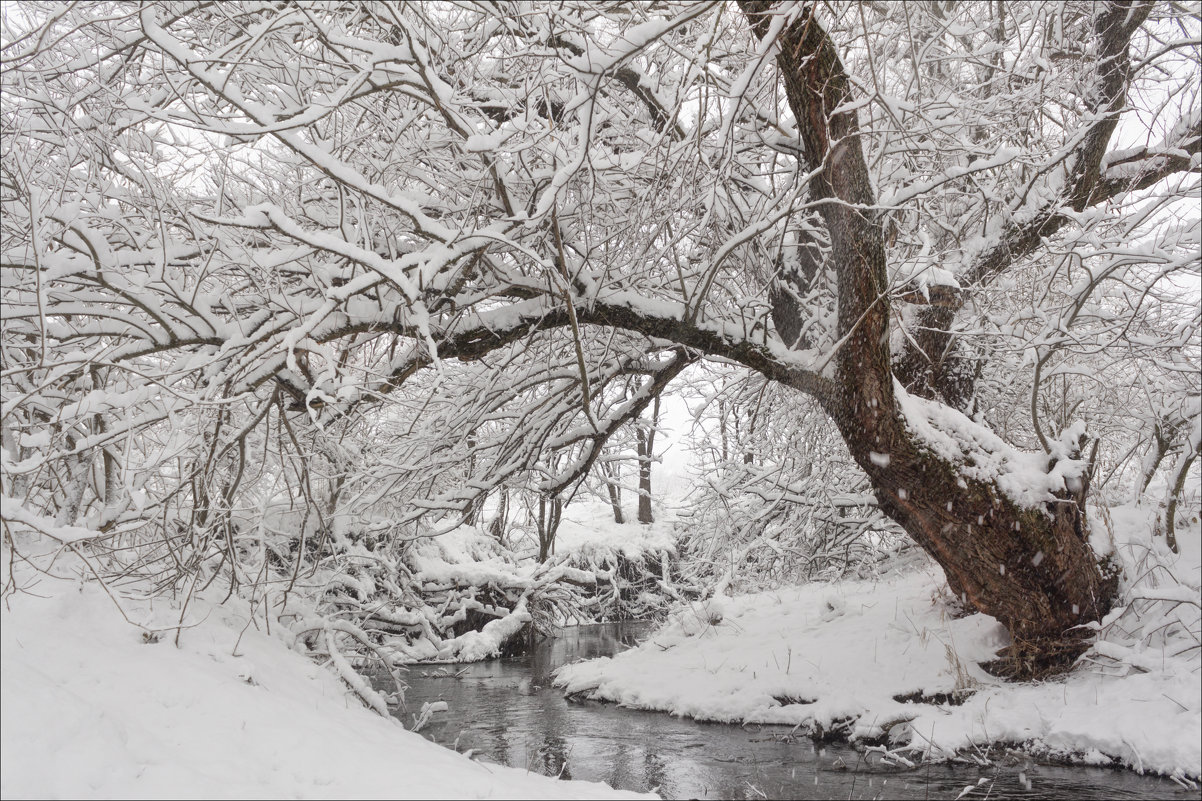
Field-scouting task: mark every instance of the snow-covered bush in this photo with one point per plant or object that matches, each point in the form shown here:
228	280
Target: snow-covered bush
777	498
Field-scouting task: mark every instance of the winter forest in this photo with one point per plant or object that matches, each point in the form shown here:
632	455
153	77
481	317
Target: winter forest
461	399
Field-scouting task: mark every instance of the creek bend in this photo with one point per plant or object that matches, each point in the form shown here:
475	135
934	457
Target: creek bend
507	712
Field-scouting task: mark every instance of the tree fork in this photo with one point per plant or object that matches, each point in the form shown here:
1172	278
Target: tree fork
1032	569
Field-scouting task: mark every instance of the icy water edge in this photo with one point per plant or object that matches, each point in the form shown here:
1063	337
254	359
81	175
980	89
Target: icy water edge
505	711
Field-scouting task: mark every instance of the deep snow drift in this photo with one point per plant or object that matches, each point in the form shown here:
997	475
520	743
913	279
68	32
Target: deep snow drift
849	657
92	707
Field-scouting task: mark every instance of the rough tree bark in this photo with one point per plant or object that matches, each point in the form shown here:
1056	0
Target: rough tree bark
1030	568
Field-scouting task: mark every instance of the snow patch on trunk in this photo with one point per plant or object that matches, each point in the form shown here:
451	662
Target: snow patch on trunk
1028	479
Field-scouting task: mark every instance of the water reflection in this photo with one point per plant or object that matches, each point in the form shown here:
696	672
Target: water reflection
553	757
507	712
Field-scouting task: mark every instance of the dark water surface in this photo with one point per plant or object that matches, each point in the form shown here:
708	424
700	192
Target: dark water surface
507	712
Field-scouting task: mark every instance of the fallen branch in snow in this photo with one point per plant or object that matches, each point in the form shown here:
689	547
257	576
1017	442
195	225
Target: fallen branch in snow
328	629
889	757
356	682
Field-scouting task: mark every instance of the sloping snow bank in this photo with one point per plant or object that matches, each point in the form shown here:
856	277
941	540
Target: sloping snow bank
92	709
838	657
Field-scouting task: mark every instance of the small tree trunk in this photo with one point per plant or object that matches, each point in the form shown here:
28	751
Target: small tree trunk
1178	478
645	444
645	515
496	527
476	506
472	515
550	513
1160	449
610	476
722	428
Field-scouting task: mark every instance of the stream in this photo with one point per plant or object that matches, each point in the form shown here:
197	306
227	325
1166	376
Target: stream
505	711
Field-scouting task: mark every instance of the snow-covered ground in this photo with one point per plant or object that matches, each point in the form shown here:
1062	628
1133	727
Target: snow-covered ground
96	707
588	526
840	656
93	708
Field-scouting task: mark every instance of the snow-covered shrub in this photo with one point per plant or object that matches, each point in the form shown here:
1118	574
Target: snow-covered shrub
1156	623
778	499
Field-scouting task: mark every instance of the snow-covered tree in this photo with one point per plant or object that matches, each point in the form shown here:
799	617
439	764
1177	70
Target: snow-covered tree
233	230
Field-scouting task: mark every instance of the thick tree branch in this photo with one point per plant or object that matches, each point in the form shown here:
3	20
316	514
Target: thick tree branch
472	337
820	93
930	366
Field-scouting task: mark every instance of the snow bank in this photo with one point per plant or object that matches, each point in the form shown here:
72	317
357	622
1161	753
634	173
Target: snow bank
812	655
588	528
93	708
851	657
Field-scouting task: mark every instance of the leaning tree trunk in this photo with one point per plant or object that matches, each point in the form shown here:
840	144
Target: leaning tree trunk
1031	568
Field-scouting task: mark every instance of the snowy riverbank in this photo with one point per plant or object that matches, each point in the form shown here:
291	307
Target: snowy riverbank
848	657
92	708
